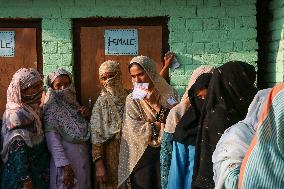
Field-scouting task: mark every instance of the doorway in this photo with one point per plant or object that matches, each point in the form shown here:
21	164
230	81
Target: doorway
20	47
148	35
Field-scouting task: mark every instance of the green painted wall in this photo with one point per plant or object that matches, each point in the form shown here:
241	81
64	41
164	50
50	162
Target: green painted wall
201	31
275	68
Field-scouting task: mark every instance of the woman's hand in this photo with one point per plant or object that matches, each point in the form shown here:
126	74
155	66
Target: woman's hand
153	99
84	111
101	174
28	184
68	177
168	59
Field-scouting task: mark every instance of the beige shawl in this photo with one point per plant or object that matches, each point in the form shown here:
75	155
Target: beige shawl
107	114
178	111
136	133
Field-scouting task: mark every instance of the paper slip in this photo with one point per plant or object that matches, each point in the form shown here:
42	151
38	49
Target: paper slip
175	63
139	90
172	101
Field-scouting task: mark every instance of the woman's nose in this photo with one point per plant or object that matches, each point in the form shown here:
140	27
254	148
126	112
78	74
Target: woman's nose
134	80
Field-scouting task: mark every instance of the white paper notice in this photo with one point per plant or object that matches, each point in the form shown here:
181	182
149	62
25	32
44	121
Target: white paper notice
7	43
139	90
121	42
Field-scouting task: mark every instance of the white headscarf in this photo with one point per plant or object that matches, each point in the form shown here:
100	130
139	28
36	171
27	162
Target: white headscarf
18	114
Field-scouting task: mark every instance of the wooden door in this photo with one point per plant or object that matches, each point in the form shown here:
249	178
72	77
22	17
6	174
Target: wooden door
25	56
92	55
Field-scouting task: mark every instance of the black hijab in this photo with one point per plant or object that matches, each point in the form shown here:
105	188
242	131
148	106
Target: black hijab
230	93
186	128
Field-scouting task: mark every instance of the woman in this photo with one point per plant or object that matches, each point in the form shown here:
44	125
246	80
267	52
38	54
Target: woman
172	120
24	151
67	134
106	124
234	143
184	137
144	119
263	163
230	92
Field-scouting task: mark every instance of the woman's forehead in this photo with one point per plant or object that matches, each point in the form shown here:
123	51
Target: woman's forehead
62	78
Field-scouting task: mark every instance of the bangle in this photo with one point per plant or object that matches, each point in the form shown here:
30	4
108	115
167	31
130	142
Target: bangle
161	116
154	131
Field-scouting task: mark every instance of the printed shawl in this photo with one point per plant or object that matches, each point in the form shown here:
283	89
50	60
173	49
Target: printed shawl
18	114
235	141
136	134
107	114
60	111
263	164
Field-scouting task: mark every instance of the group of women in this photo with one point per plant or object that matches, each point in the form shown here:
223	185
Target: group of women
221	134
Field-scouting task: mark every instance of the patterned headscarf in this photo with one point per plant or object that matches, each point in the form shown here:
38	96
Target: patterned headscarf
136	133
60	111
112	85
107	114
18	114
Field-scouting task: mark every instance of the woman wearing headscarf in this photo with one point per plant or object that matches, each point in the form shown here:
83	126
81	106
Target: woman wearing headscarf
67	134
230	93
263	163
181	170
172	120
234	143
106	124
24	151
143	126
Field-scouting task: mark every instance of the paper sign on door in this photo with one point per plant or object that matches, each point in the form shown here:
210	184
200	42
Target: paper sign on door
7	43
121	42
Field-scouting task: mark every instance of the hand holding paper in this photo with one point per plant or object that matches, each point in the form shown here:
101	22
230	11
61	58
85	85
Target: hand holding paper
140	90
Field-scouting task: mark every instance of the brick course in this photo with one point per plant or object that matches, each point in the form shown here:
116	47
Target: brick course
201	31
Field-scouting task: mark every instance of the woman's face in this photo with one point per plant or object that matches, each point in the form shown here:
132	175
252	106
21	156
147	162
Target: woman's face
61	82
139	75
105	76
35	88
202	93
32	93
